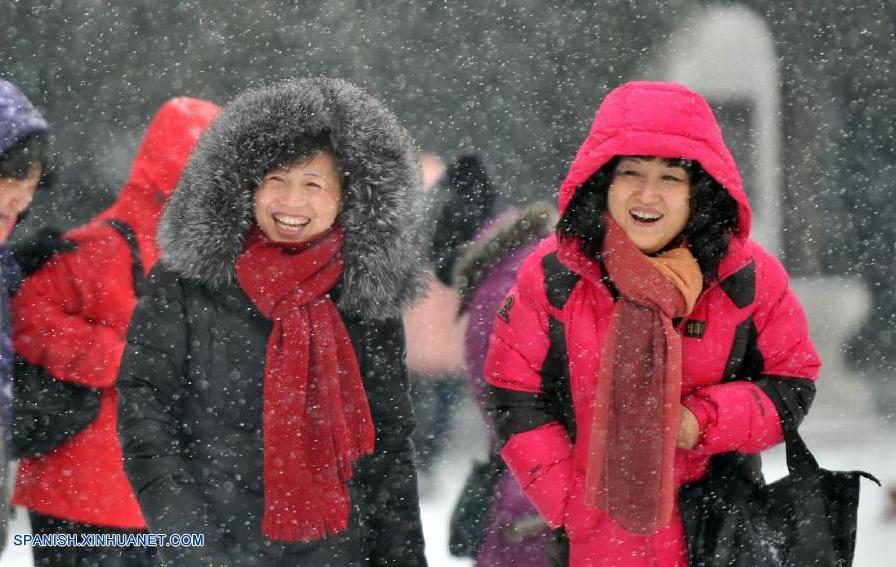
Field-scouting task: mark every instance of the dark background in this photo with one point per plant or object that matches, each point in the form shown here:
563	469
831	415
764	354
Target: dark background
518	81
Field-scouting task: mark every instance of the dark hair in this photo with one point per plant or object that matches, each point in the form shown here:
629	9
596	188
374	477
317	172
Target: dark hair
304	148
299	150
713	218
17	161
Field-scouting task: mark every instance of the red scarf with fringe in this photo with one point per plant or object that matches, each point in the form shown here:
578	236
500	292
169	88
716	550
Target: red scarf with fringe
636	417
316	420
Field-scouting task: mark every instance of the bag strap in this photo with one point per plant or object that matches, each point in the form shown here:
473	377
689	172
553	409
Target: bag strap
801	463
127	233
800	460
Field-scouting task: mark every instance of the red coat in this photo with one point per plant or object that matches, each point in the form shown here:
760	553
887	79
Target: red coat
547	340
71	317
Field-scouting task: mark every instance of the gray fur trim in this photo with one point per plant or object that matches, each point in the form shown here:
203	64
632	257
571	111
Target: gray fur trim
533	223
211	211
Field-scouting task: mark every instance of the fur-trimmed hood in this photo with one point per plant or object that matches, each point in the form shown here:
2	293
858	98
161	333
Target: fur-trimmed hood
479	257
211	211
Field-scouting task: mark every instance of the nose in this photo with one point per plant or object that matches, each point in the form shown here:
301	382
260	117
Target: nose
650	192
294	195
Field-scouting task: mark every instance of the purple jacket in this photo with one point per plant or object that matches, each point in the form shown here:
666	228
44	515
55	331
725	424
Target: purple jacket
485	272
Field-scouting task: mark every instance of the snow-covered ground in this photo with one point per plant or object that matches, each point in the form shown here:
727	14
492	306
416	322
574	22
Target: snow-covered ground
846	430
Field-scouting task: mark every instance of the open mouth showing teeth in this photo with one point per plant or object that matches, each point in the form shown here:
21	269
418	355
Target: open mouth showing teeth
291	224
644	217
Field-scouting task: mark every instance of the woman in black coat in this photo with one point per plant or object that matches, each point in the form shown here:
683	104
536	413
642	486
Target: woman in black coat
263	393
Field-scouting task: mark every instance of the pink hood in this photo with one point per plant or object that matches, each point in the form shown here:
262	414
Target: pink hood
659	119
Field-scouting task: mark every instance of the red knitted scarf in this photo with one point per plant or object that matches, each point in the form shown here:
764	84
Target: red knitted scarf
636	416
316	419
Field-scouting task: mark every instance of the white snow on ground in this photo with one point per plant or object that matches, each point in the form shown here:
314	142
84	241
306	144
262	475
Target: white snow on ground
844	431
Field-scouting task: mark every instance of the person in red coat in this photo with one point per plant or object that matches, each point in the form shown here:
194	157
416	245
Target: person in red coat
71	318
646	335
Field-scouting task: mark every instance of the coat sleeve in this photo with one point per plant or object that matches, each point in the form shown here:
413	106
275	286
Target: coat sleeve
57	325
387	478
537	447
150	380
746	415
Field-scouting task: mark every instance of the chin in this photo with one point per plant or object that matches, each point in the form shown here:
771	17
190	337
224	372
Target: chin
289	239
646	247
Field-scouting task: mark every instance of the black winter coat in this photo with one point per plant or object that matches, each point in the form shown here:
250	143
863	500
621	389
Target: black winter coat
191	411
191	379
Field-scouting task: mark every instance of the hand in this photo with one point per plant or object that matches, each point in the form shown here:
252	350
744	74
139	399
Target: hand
688	429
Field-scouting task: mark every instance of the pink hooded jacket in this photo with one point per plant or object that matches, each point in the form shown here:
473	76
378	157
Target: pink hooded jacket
745	348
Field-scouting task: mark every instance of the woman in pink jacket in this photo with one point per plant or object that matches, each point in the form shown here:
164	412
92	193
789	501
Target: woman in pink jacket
647	335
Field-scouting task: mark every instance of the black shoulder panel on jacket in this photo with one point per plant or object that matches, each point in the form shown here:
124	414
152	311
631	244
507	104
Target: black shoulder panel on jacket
514	412
745	361
792	396
741	285
559	280
555	378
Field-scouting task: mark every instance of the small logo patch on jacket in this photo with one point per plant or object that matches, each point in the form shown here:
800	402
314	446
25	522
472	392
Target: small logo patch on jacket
694	328
504	312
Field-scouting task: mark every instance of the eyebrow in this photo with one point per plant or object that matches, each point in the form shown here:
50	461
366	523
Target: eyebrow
637	158
668	162
276	170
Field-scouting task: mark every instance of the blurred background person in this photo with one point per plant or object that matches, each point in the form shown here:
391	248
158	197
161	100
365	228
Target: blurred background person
494	520
71	320
435	344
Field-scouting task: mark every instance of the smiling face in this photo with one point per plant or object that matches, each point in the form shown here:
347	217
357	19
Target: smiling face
299	201
650	199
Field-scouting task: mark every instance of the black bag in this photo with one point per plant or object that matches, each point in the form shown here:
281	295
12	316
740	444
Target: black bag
808	518
47	412
470	517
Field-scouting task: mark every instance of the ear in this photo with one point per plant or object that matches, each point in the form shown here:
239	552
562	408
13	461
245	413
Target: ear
341	200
